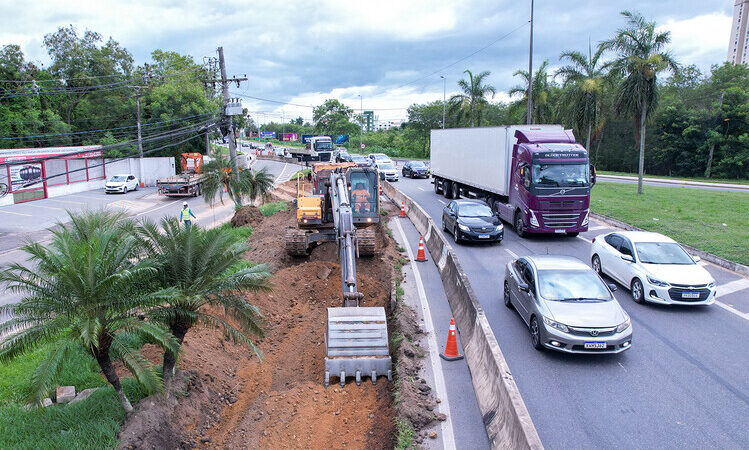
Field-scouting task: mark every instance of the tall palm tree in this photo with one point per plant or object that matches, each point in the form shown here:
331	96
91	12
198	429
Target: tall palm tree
541	106
473	99
202	267
641	57
584	82
221	177
83	290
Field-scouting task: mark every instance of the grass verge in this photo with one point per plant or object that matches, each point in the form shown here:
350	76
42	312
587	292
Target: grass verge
713	221
268	209
239	234
93	423
666	177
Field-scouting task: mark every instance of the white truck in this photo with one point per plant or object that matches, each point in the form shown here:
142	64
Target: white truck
318	148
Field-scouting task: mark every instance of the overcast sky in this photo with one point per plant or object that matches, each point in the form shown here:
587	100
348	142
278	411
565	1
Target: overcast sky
387	51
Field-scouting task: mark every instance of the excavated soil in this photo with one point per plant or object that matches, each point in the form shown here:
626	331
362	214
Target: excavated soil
246	215
226	397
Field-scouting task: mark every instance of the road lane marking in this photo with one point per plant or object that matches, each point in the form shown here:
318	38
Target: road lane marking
156	209
598	227
18	214
511	253
442	201
280	174
421	188
733	286
448	437
585	239
732	310
65	201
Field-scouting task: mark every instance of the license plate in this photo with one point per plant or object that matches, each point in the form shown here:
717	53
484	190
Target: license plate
559	230
595	345
483	236
690	295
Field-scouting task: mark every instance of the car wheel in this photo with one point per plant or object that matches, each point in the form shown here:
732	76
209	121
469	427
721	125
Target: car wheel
456	190
596	263
638	294
519	225
508	302
536	334
456	235
136	187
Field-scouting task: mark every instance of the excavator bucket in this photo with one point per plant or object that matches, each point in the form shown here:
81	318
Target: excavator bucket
356	344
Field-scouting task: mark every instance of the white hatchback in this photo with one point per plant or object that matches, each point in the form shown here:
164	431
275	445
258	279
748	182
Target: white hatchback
654	267
121	183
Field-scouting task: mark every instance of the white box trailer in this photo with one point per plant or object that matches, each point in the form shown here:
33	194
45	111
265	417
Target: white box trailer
477	157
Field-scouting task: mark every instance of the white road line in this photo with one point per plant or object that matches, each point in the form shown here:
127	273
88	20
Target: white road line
17	214
421	188
732	310
281	174
511	253
585	239
733	286
598	227
448	437
156	209
442	201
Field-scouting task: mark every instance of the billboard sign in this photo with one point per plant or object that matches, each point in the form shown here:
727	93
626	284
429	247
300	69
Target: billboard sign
341	139
290	136
267	135
307	137
23	174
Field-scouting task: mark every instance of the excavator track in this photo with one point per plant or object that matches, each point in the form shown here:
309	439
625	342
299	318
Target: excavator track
296	242
365	237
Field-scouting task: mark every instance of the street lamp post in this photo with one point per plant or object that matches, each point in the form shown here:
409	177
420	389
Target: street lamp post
444	97
361	123
529	114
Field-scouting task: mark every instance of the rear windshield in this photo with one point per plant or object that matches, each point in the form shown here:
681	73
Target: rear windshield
572	285
418	164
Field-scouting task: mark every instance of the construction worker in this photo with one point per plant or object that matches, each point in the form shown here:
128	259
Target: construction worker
362	198
184	215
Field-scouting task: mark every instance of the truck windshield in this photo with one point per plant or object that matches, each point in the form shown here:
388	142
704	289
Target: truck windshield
323	145
556	174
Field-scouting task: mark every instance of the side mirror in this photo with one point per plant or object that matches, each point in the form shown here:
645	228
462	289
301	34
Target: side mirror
592	174
696	258
523	287
612	286
628	258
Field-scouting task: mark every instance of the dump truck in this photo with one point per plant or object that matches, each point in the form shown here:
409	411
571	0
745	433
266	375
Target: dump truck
344	207
186	184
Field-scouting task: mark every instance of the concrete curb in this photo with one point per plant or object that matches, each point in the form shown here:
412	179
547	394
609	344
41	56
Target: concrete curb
743	187
506	419
717	260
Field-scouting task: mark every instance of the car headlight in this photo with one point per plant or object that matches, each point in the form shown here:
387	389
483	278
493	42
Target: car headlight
624	325
534	221
585	220
557	325
500	227
463	227
657	282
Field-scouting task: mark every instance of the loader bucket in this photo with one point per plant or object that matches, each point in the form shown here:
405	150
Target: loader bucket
356	344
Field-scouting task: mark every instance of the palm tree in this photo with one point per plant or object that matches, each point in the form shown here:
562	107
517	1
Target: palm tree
541	108
473	99
83	290
641	57
221	176
584	82
203	267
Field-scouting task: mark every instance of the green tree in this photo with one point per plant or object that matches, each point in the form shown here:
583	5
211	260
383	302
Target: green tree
584	82
84	290
334	118
202	267
641	56
423	119
221	177
472	101
542	106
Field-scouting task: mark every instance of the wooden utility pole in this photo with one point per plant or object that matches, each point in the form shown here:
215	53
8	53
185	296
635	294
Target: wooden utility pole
228	120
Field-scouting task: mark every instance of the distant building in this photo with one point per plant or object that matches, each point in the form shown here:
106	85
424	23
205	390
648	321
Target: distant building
388	124
368	120
738	51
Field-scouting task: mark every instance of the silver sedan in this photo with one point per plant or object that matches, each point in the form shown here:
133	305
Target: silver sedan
566	305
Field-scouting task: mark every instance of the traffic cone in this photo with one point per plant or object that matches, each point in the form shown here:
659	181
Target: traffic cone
451	349
421	255
403	209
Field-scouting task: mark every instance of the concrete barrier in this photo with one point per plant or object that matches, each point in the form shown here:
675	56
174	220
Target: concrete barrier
282	159
507	421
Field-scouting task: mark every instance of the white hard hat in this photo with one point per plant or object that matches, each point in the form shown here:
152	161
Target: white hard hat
184	203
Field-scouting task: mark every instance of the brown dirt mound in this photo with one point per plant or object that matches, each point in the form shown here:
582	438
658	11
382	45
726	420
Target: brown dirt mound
246	215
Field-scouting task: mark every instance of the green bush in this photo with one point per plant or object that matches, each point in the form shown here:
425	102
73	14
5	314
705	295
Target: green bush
269	209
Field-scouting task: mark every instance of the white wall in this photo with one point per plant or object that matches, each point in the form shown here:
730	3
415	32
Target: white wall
153	168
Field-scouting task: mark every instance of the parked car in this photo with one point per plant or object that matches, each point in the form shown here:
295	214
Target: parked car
654	267
121	183
471	220
415	169
566	305
361	161
387	170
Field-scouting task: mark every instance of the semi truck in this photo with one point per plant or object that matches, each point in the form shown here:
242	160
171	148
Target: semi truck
186	184
535	177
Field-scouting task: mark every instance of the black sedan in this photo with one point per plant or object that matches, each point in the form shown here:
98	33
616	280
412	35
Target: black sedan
471	220
415	169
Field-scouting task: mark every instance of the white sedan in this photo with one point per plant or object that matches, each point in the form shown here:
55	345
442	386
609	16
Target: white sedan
654	267
121	183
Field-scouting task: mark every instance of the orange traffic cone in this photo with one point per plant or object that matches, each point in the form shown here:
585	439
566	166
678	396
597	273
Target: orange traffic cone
421	255
451	349
403	209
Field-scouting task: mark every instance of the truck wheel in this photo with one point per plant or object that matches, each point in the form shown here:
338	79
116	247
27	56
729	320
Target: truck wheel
437	186
455	190
519	225
447	189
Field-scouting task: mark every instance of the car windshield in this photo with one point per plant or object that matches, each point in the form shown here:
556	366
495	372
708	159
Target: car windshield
474	210
323	145
358	159
387	166
118	178
572	285
556	174
418	165
662	253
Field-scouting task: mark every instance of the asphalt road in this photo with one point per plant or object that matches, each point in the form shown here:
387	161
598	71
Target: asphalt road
683	383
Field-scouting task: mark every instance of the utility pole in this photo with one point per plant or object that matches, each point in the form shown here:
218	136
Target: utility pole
444	97
361	123
228	119
140	138
529	118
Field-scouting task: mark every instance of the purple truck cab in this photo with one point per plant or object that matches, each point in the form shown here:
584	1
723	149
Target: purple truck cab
550	181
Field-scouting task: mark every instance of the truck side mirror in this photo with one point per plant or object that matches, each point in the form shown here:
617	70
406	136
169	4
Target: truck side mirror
592	174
